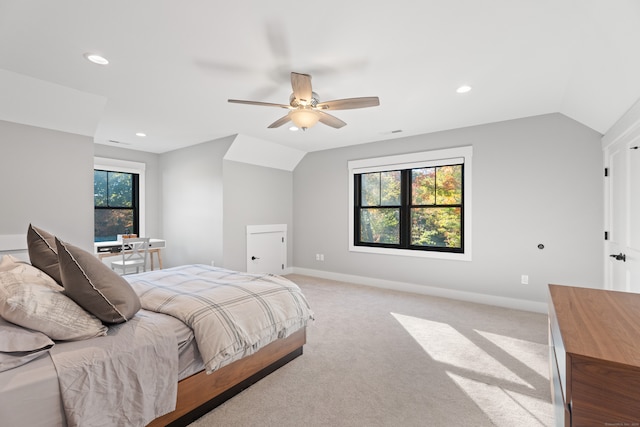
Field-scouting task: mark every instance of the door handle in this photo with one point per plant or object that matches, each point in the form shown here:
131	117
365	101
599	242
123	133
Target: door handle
620	257
253	258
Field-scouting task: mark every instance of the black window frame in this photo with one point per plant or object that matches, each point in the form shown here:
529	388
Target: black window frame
405	208
135	202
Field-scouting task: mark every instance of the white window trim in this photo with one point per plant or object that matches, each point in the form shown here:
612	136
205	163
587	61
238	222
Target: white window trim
126	166
414	160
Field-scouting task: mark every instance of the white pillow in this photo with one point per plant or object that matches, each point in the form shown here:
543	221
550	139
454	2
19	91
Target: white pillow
31	302
14	265
9	262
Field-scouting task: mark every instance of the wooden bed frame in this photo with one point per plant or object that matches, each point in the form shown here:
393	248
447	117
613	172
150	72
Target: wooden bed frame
200	393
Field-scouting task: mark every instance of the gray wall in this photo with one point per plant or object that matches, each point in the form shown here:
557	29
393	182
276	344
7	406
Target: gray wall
535	180
192	204
153	190
207	203
254	195
47	180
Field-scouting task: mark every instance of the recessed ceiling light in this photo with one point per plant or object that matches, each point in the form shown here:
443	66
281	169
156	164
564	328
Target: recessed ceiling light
463	89
293	128
141	134
96	59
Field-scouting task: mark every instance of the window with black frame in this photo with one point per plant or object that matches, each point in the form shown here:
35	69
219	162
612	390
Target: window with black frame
116	204
420	208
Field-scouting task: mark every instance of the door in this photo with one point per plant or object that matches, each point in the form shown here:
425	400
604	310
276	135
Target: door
622	214
267	248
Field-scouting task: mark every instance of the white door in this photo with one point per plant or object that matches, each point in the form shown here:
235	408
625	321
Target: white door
622	214
267	248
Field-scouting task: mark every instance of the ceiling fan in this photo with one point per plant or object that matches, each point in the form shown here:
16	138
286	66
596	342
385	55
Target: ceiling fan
305	110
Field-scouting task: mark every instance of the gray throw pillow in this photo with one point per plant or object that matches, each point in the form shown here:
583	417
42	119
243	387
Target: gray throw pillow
42	252
94	286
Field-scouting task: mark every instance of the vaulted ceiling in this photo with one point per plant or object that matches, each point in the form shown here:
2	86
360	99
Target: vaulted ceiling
173	65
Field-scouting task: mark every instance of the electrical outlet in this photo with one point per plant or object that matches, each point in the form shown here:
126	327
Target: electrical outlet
321	257
524	279
317	257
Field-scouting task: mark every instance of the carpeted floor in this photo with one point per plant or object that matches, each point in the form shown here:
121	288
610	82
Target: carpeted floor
376	357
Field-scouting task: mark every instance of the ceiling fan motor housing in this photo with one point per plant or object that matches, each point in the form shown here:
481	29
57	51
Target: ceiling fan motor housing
295	102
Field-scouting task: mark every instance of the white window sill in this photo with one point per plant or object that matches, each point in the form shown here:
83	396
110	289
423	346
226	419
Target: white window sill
412	253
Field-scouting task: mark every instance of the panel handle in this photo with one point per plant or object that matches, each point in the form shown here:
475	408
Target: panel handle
620	257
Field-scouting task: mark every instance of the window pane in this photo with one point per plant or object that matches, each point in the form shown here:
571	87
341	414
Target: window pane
381	188
423	186
120	190
100	188
111	222
390	188
439	227
449	185
380	226
370	183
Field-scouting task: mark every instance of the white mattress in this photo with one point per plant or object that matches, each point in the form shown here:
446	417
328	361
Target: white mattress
30	396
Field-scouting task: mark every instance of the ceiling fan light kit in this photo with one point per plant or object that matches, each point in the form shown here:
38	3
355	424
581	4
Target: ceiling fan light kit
305	108
304	118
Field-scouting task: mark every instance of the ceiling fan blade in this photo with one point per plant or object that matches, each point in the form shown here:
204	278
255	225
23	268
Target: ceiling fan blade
301	84
263	104
330	120
279	122
349	103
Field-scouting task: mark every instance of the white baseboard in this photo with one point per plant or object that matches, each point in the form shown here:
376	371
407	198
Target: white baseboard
288	270
514	303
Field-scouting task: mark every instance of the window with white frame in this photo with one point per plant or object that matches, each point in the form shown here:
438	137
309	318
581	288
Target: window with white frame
416	204
118	198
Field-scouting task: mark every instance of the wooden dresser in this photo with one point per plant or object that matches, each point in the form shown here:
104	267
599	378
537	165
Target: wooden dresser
594	341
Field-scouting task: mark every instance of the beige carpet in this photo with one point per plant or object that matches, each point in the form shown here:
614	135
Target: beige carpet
382	358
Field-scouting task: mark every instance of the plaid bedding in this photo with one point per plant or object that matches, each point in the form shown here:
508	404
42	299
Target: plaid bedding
232	314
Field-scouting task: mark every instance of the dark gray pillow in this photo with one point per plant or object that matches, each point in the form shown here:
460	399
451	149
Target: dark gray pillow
94	286
43	253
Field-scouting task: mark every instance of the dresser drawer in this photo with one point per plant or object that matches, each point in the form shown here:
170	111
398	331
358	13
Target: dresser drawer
561	410
604	393
559	359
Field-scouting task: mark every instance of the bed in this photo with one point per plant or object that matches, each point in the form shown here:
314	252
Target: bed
161	353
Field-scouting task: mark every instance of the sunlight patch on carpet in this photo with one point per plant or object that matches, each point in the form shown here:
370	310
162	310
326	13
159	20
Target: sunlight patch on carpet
532	354
506	408
447	345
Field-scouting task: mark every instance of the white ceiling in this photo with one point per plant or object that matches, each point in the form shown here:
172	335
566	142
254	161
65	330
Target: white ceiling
174	64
